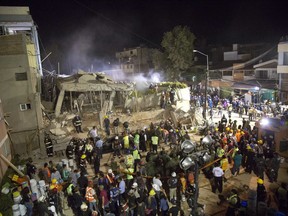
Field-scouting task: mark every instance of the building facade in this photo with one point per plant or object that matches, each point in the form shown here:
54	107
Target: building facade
20	83
5	144
134	61
282	70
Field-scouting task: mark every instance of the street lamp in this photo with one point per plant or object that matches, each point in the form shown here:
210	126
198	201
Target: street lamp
206	81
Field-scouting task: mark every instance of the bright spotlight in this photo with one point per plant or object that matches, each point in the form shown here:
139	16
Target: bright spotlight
264	121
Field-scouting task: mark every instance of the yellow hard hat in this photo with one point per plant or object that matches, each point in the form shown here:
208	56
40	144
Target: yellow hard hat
216	129
227	129
242	132
83	156
248	147
260	142
260	181
53	181
231	131
52	187
106	116
152	192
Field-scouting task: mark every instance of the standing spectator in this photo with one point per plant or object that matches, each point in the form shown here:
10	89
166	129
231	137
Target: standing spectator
218	178
172	184
164	207
237	163
65	173
116	125
91	196
103	198
82	183
151	204
26	199
99	146
107	125
92	134
116	146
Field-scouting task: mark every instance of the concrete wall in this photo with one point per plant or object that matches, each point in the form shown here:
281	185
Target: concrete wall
23	122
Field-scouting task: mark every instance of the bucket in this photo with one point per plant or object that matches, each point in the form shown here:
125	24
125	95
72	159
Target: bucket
23	210
34	188
42	183
17	197
71	163
16	210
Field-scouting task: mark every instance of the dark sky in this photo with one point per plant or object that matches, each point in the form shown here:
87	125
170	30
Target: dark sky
83	29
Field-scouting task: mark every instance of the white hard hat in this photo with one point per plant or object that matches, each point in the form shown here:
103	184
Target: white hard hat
110	171
134	185
84	206
116	137
173	174
41	198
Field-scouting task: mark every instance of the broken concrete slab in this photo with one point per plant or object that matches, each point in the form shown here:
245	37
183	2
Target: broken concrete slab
57	131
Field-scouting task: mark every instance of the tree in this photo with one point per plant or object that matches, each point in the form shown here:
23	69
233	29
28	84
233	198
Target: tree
177	54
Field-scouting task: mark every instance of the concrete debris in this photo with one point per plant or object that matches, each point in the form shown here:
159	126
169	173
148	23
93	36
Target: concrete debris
57	131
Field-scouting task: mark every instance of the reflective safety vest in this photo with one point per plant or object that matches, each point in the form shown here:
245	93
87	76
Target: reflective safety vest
126	142
224	164
233	200
220	152
136	138
136	154
129	160
89	147
70	189
154	140
77	121
89	194
130	170
110	179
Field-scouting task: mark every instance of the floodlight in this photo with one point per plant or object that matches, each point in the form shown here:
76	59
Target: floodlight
186	163
264	122
188	146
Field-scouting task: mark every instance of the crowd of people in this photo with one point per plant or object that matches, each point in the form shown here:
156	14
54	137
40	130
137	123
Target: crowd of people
128	188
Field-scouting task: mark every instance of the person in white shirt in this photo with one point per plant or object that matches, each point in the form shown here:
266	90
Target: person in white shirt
218	178
93	134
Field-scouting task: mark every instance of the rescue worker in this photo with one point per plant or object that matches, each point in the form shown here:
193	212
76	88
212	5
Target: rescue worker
91	196
116	146
172	184
136	139
126	143
82	183
89	152
129	159
110	178
261	191
154	142
83	164
107	125
99	146
70	150
129	177
77	122
137	157
48	145
234	202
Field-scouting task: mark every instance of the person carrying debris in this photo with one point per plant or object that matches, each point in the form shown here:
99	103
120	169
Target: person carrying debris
77	122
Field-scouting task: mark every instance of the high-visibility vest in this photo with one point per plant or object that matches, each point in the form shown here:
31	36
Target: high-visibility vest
69	189
224	164
136	138
89	196
130	170
89	148
129	160
126	142
154	140
220	152
136	154
110	179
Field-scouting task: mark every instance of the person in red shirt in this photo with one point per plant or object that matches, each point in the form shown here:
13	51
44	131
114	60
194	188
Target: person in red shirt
103	198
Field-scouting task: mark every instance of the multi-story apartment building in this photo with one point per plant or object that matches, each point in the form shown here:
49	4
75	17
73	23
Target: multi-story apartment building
282	70
20	72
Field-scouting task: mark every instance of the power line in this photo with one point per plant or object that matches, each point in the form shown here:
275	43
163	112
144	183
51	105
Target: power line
116	23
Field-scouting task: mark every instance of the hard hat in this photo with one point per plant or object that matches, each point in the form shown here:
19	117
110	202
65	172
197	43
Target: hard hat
83	156
116	137
53	181
134	185
216	129
231	131
173	174
260	181
227	129
106	116
52	187
152	192
260	142
242	132
41	199
238	130
84	206
110	171
248	147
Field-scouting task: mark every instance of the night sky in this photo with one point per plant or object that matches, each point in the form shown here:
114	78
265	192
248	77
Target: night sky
93	30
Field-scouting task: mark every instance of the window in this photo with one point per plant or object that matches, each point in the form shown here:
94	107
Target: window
131	52
25	107
21	76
